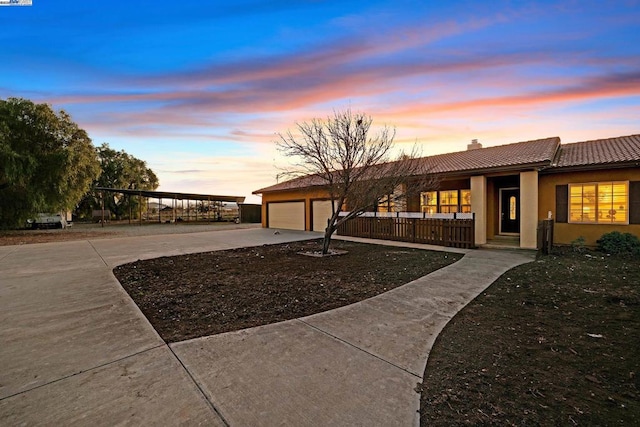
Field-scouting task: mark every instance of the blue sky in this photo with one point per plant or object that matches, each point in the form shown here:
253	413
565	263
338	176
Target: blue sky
200	89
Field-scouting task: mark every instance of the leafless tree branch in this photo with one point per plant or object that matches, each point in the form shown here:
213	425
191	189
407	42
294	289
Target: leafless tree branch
354	166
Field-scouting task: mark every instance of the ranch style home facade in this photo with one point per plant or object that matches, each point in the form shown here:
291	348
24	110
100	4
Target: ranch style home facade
589	188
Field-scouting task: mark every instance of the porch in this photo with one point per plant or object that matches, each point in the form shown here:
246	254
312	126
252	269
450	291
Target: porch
506	208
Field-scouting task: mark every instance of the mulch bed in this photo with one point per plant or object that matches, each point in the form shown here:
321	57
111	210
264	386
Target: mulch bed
553	342
209	293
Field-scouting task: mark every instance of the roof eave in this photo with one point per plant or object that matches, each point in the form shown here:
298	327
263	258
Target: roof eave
591	167
456	174
280	190
498	169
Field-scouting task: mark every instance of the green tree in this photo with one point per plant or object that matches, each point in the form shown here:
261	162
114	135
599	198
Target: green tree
119	170
47	162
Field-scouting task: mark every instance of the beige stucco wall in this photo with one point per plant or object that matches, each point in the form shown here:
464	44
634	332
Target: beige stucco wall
528	209
565	233
479	207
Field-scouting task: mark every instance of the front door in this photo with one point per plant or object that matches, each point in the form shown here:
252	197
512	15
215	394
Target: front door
510	210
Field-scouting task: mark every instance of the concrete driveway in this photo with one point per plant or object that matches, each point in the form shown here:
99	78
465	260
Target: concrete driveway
75	349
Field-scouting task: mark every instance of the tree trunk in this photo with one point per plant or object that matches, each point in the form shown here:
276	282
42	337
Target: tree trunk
327	239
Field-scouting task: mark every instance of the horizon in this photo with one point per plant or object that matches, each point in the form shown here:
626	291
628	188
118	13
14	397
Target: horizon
200	90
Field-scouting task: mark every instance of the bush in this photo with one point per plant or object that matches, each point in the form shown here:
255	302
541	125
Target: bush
619	243
578	245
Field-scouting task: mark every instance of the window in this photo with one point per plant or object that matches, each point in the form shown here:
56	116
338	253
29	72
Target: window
513	205
465	201
429	202
385	204
393	202
449	201
599	203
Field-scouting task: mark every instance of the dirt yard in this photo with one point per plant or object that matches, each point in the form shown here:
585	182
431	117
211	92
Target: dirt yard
195	295
553	342
87	231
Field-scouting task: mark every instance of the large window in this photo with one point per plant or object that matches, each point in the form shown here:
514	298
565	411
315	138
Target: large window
395	202
448	201
429	202
599	203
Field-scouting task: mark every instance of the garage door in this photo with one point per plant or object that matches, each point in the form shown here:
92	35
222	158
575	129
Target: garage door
321	212
289	215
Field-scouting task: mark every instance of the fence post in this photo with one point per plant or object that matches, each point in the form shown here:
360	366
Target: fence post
372	223
413	230
473	230
545	236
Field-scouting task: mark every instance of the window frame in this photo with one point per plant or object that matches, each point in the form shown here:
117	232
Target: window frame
596	204
435	204
393	202
464	207
427	208
448	207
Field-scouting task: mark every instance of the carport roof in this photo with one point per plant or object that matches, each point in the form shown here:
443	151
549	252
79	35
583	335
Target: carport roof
173	195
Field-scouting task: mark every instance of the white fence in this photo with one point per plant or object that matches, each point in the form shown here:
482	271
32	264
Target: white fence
414	215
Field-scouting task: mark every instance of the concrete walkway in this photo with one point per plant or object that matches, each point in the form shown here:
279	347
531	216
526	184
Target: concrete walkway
75	349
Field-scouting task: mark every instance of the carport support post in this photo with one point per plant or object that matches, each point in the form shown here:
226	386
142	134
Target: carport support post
102	203
174	202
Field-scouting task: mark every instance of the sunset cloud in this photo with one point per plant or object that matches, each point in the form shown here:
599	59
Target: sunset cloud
201	90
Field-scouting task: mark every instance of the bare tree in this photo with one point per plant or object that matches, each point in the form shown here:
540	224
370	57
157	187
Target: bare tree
356	168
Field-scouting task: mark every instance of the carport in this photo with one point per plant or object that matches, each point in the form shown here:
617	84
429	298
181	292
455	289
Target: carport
208	207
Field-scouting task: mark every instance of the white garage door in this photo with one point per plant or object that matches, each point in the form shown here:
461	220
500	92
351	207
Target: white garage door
289	215
321	212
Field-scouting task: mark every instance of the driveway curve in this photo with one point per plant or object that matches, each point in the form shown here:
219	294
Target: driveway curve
77	350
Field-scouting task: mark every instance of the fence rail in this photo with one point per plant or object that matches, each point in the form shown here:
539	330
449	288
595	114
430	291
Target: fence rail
450	232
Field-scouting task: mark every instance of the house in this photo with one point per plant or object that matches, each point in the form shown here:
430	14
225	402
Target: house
589	188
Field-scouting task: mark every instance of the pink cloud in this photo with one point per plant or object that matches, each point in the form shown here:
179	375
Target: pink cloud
620	85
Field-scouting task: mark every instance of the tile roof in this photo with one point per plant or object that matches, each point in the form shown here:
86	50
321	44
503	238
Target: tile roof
608	151
292	184
504	157
547	153
510	156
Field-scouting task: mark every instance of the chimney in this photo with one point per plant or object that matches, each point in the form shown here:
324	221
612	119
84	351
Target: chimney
475	145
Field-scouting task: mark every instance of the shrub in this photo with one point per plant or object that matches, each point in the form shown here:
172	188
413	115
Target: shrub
578	245
619	243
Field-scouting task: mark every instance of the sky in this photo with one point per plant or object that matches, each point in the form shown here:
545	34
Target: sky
200	89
